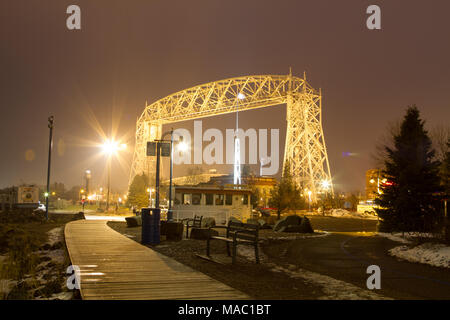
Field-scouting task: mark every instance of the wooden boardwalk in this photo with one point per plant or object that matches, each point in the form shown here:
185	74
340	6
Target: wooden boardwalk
115	267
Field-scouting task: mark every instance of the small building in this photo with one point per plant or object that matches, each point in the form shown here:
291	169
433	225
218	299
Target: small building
220	203
260	186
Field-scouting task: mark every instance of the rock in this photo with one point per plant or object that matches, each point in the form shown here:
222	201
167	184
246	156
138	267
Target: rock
280	224
208	222
305	226
293	220
203	233
134	221
172	230
292	229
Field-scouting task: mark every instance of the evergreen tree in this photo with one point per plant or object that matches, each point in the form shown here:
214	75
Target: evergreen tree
445	171
137	193
408	201
286	194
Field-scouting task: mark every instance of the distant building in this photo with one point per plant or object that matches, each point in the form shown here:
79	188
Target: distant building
374	181
260	186
217	202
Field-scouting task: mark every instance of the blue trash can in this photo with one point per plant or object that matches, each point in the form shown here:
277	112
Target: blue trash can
150	226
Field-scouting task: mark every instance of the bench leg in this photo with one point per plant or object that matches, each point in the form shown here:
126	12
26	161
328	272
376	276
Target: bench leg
256	253
234	253
187	232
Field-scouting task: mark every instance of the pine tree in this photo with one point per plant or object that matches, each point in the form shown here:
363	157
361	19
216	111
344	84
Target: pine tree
286	194
408	201
137	193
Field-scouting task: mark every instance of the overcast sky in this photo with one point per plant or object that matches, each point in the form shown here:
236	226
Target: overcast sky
130	52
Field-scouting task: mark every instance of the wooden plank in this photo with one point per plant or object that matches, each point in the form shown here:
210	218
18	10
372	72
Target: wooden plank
116	267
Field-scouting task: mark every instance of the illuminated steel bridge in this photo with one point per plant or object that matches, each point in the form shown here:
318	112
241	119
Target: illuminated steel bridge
305	145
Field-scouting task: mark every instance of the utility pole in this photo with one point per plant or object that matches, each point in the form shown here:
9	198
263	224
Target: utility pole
109	184
50	145
169	211
158	160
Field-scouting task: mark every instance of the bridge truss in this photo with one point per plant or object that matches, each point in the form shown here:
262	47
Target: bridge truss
305	145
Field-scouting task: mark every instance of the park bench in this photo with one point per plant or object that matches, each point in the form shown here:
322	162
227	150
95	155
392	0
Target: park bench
195	222
237	233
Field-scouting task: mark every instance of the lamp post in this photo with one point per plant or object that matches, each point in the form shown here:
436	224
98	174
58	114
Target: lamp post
237	145
50	145
111	147
158	156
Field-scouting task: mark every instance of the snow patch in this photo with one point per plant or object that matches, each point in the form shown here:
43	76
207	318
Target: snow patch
397	237
434	254
55	235
342	213
334	289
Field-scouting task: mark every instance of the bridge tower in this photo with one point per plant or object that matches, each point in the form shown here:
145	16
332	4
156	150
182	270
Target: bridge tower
305	147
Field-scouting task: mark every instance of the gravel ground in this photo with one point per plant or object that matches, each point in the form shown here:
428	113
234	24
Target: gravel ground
259	281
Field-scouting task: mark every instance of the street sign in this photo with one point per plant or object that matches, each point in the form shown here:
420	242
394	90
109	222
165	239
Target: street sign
165	149
151	149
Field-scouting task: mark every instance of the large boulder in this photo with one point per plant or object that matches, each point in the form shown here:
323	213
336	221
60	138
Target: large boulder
293	220
292	229
208	222
203	233
305	226
134	221
280	224
172	230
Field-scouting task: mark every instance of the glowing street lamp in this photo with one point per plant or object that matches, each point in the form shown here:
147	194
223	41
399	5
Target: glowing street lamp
110	147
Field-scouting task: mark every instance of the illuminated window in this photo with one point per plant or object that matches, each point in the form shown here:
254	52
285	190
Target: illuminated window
219	199
187	198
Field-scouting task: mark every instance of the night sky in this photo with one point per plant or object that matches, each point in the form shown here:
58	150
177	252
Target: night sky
130	52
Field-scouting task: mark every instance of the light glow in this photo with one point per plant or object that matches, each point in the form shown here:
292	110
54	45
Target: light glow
110	147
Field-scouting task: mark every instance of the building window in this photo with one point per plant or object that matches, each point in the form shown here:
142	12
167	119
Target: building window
229	200
219	199
196	198
209	197
187	198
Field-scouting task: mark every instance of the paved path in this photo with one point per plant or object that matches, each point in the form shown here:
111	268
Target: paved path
346	256
115	267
